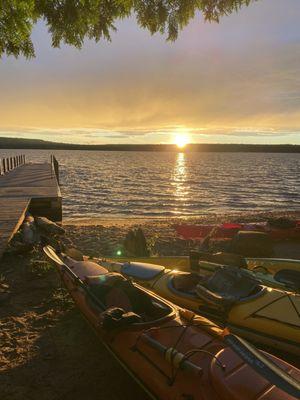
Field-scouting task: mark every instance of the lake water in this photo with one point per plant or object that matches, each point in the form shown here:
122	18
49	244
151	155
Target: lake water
148	184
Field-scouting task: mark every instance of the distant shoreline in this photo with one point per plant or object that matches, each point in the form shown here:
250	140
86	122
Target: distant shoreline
35	144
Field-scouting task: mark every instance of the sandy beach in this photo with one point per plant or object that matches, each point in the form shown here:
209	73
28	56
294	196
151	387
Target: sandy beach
102	237
47	349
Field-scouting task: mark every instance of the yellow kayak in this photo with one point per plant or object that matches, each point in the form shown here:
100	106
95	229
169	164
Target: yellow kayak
272	265
269	271
229	296
267	265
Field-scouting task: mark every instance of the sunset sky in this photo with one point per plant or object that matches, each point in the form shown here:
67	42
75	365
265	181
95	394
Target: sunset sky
234	82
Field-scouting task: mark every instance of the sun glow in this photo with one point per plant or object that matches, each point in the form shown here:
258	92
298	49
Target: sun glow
181	140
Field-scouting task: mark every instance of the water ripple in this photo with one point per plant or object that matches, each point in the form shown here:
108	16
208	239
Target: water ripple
174	184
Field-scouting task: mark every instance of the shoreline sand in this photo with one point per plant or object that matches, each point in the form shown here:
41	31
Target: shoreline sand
98	237
241	216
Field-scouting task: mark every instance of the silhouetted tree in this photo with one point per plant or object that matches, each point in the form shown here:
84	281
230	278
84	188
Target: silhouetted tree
71	21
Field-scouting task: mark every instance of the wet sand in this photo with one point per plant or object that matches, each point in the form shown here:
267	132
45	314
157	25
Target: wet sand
47	350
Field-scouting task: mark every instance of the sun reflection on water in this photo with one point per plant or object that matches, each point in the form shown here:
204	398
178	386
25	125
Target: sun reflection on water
179	178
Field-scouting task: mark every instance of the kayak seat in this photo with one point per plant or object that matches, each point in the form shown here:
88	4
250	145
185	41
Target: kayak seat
142	271
105	288
227	286
288	277
116	291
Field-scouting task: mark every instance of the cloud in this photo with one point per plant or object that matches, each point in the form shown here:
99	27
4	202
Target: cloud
239	79
151	135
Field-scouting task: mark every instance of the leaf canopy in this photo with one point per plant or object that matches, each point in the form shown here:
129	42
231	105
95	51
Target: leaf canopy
72	21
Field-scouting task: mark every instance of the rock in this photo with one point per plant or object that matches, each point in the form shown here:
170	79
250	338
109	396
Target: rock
135	244
49	226
141	244
29	232
129	244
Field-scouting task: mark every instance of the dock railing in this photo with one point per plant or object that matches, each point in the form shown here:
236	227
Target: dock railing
9	163
55	167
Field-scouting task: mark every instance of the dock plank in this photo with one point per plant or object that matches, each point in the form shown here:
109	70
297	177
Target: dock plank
17	189
10	222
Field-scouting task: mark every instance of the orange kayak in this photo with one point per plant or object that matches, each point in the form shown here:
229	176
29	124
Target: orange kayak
171	352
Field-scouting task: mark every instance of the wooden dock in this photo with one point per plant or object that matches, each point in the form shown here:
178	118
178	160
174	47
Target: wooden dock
27	187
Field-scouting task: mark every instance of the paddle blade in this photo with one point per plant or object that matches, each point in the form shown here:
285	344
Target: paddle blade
51	253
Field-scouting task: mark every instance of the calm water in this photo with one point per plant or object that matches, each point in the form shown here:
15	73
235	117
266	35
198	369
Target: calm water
146	184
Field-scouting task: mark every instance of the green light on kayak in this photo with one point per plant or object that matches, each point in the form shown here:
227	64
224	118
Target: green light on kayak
119	253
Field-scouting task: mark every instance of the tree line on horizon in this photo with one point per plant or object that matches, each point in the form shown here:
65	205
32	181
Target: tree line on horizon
73	21
17	143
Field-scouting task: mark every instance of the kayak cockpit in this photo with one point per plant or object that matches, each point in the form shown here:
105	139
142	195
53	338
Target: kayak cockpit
122	301
115	291
225	286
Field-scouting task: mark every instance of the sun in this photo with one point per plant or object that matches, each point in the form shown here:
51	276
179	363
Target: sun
181	141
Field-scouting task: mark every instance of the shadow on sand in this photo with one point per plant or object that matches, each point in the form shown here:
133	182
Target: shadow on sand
47	350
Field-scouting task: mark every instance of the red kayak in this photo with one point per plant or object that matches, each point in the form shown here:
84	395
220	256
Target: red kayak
229	230
171	352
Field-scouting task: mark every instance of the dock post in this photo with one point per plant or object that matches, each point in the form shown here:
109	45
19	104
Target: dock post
55	167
